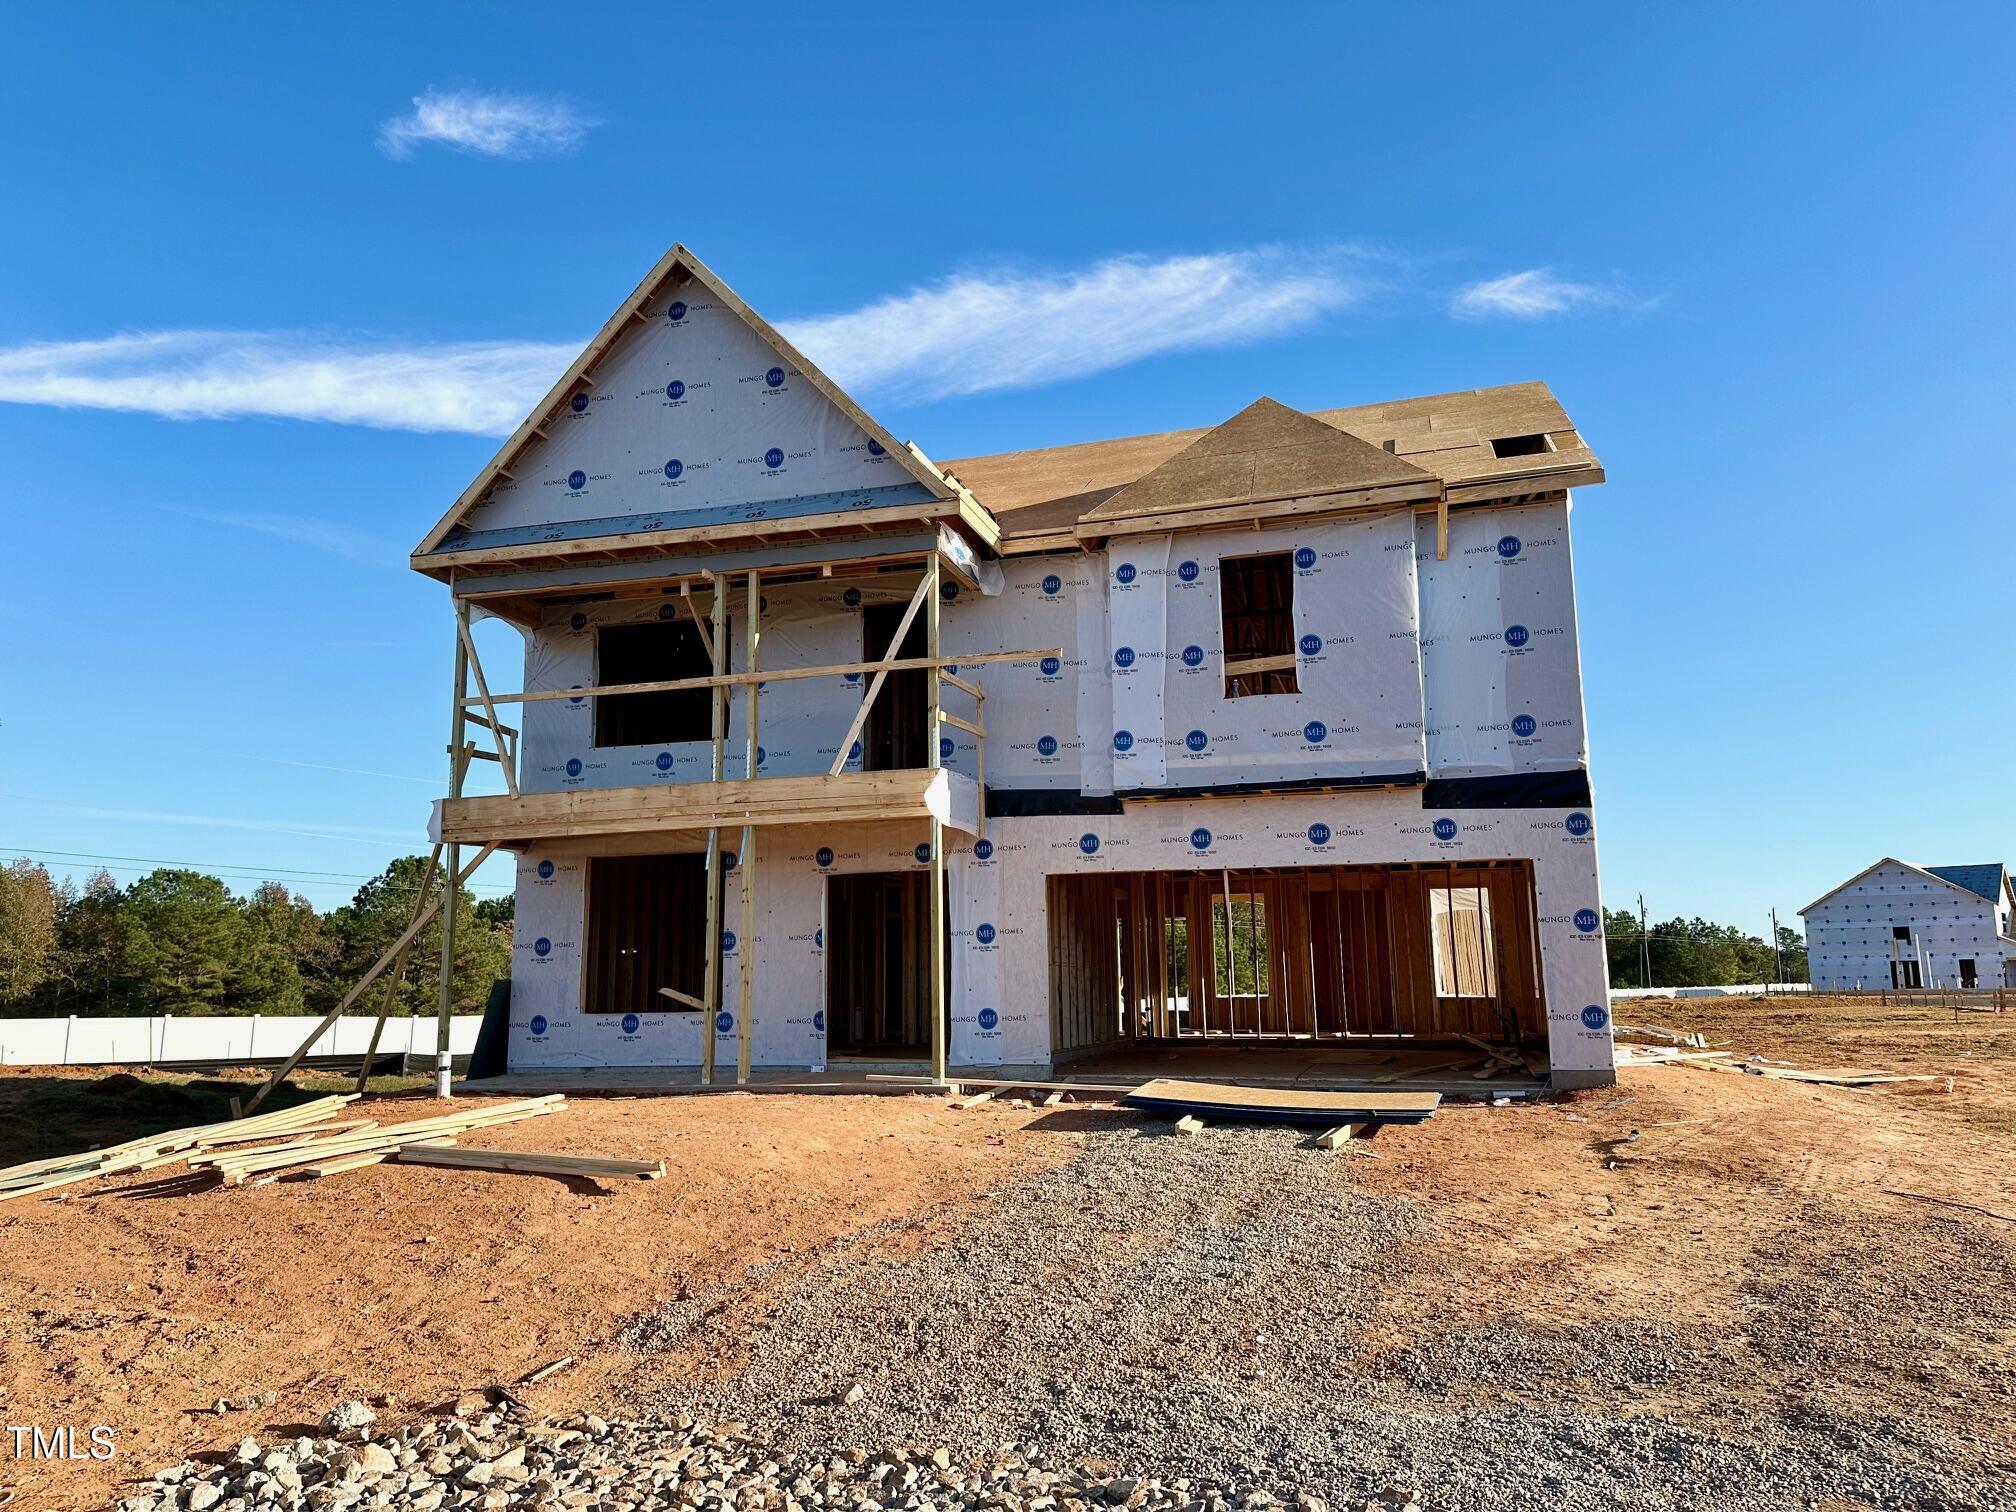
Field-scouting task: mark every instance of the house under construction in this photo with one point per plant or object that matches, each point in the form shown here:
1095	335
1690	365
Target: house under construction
1267	735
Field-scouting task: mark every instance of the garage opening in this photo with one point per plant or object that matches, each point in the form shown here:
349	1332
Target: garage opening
878	966
1339	955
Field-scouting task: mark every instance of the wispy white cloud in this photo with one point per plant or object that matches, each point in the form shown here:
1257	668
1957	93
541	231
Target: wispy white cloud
485	387
980	331
963	335
318	535
1535	294
491	125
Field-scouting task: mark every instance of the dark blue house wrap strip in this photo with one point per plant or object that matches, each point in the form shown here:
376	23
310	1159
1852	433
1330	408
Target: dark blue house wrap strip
463	539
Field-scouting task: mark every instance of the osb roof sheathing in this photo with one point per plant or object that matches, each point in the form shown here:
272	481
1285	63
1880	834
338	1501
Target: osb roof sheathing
1264	454
1050	490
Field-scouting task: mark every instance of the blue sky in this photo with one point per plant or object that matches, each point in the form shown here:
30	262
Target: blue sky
1763	258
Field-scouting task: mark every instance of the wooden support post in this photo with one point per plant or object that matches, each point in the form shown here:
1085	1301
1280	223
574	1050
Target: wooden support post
412	932
1442	530
890	659
398	968
746	997
717	698
940	1025
980	761
444	1055
504	749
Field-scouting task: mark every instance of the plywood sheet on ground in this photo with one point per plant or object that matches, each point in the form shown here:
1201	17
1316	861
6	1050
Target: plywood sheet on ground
1282	1104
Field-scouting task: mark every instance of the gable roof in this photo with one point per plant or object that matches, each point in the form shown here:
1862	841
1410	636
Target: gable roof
1988	873
677	264
1047	491
1267	453
1984	879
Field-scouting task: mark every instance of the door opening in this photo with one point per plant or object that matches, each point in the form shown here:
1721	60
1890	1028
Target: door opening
878	965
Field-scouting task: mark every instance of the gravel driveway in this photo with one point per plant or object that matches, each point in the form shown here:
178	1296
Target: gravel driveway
1196	1305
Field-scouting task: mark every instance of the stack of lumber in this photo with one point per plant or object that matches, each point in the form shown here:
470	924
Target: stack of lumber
1723	1060
306	1140
153	1150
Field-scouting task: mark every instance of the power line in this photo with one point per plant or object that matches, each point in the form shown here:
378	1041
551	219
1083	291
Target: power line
238	873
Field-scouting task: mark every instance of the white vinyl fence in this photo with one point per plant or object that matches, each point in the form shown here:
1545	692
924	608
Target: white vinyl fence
1743	989
147	1041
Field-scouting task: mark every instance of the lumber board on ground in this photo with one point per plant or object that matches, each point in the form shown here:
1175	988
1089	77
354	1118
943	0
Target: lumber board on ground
1189	1123
1283	1104
532	1161
1407	1073
1337	1138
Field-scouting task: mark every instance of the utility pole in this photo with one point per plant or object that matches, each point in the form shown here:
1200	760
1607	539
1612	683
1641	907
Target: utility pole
1777	963
1644	947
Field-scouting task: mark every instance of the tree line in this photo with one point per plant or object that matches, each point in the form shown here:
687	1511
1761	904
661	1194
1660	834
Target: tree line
1696	953
181	942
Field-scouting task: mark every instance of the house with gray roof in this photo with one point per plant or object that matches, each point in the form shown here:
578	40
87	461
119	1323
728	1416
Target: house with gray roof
1902	926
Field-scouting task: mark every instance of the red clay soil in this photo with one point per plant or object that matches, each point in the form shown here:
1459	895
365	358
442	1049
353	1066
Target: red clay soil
1758	1209
140	1300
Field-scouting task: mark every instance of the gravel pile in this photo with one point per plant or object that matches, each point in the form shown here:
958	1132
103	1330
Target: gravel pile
503	1458
1196	1305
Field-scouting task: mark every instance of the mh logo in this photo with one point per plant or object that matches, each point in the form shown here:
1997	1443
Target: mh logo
1586	920
676	310
851	598
1524	725
577	622
579	403
1125	572
573	766
1577	824
819	940
774	457
1049	666
948	591
761	754
854	751
1319	834
632	1023
1196	740
668	611
819	1020
1188	572
728	860
1123	741
944	747
982	849
1305	557
923	851
1508	546
727	939
774	378
1124	657
1311	644
876	448
1517	636
545	871
1445	829
664	761
542	947
1047	746
724	1023
1200	839
1089	844
538	1024
1053	584
984	934
675	390
575	703
1593	1017
577	480
674	467
823	856
989	1020
1193	656
1315	731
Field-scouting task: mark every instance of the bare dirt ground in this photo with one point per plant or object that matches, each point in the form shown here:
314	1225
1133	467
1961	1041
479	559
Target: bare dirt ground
1515	1306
